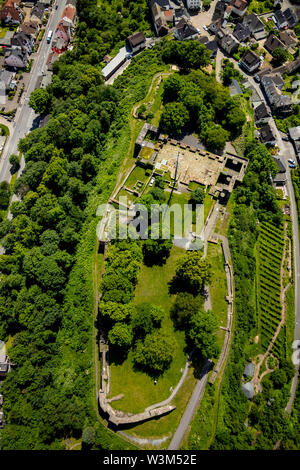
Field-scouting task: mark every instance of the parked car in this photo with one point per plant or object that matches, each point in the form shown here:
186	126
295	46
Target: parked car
151	182
285	137
205	28
291	165
291	161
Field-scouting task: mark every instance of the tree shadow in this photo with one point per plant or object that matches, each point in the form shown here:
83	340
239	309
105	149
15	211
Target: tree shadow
116	356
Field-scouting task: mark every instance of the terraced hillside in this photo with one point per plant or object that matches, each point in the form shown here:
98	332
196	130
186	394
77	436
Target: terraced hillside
269	254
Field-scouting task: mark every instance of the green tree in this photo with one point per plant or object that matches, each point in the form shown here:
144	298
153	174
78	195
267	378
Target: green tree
120	335
155	353
280	55
197	196
192	273
174	117
88	436
146	318
116	312
14	161
203	329
40	100
216	137
172	86
184	308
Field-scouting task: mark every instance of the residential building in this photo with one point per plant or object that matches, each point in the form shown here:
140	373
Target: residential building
239	7
160	19
273	43
256	26
185	31
280	104
37	13
251	61
31	28
6	79
23	42
16	59
227	41
290	17
212	46
136	42
11	13
219	11
294	133
69	15
193	4
288	38
280	19
280	178
241	32
216	25
4	362
266	135
261	114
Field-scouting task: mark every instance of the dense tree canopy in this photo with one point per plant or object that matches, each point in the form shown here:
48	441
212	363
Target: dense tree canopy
155	353
192	273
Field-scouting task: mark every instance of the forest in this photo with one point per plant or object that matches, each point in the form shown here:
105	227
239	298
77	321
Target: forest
199	103
46	284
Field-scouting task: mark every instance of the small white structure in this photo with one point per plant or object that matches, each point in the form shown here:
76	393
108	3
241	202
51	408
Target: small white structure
193	4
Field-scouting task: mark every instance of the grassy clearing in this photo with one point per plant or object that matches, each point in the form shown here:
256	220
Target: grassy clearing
248	128
223	221
138	174
218	287
139	389
157	107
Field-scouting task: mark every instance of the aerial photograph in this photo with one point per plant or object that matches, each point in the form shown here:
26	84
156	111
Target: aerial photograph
149	229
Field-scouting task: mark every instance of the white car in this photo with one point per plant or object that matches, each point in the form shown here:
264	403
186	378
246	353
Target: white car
151	182
291	161
205	28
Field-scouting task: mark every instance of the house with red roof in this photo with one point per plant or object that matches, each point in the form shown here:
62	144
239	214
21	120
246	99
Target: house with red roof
11	13
69	15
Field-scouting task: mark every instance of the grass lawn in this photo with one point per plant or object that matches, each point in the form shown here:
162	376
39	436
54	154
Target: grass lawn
157	106
223	221
139	389
138	174
218	287
123	193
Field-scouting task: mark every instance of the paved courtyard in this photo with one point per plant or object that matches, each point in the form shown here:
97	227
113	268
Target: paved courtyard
199	166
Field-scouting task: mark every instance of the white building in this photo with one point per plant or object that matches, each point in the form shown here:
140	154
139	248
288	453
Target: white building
193	4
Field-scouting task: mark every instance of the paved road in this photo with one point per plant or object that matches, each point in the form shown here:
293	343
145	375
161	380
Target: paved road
191	408
286	152
25	115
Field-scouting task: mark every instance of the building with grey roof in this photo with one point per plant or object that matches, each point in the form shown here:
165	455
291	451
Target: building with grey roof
281	104
115	63
249	369
294	133
248	390
280	178
235	88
